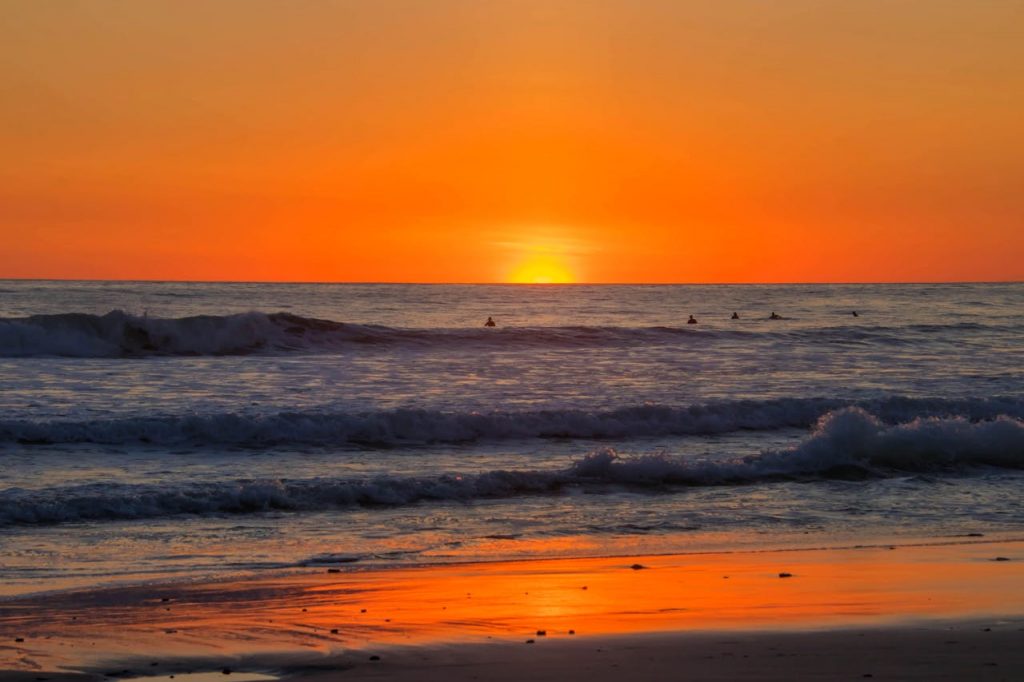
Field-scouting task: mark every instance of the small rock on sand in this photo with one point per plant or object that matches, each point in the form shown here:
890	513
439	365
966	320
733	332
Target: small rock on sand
375	657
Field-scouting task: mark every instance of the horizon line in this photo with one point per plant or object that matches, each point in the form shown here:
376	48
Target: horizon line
509	284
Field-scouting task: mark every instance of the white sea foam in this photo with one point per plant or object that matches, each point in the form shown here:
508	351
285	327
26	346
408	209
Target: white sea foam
849	443
853	437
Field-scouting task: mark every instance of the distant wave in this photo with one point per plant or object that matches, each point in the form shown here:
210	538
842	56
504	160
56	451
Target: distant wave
420	426
846	444
122	335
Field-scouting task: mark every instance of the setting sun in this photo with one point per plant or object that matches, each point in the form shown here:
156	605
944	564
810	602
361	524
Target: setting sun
541	269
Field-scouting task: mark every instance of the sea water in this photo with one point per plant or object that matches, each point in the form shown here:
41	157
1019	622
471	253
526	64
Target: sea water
155	431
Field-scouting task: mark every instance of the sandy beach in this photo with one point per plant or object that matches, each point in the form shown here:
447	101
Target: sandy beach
946	650
951	608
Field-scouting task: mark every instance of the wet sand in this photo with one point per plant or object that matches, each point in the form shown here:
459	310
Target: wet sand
952	609
940	651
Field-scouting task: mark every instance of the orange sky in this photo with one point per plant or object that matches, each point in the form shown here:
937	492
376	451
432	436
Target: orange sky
486	140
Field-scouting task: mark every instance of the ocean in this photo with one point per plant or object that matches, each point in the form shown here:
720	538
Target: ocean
182	431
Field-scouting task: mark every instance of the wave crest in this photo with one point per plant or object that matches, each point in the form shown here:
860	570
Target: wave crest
849	443
121	335
415	426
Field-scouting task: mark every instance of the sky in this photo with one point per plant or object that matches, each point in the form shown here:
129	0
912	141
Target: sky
512	140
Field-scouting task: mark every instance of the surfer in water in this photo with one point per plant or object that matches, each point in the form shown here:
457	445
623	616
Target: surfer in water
490	322
692	320
774	316
855	314
735	316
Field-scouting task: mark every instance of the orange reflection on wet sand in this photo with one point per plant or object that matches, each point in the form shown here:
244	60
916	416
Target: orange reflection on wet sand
748	590
329	611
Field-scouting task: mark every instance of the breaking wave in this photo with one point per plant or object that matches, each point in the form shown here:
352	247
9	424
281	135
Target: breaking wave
121	335
422	426
846	444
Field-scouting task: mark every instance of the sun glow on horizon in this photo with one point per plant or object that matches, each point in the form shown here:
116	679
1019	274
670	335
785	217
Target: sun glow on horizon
541	268
543	255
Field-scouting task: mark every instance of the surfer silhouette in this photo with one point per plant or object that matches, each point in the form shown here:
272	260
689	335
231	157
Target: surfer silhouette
735	316
490	322
774	316
855	314
692	320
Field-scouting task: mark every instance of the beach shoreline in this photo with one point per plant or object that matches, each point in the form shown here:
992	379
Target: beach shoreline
986	649
433	621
